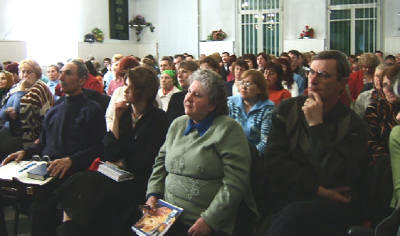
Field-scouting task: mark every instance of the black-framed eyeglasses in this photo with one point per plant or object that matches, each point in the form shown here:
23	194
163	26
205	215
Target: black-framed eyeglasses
318	74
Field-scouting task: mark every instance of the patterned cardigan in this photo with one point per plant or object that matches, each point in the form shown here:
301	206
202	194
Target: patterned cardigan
381	118
256	123
34	105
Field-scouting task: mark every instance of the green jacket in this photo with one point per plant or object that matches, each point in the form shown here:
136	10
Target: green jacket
207	175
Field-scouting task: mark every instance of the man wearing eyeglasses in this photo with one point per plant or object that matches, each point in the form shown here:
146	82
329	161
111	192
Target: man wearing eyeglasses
316	156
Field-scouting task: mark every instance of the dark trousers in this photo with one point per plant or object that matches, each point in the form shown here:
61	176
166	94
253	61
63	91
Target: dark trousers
45	216
3	229
8	143
179	229
317	217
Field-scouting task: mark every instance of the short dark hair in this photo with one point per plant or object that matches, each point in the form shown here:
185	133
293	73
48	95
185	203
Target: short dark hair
189	65
83	71
180	55
295	52
211	62
167	58
277	68
392	73
342	64
107	59
241	63
145	82
265	56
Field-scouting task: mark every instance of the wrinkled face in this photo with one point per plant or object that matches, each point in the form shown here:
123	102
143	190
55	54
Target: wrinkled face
378	77
261	62
388	90
248	89
164	65
166	82
52	73
71	83
3	80
183	77
271	77
238	71
27	75
129	92
196	102
322	79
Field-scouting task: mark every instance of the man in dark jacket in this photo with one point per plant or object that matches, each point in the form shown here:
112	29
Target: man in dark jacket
71	136
316	157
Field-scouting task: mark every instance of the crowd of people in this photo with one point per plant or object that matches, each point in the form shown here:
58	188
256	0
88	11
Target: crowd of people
300	144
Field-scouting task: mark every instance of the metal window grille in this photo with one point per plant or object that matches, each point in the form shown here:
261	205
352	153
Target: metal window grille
260	26
354	25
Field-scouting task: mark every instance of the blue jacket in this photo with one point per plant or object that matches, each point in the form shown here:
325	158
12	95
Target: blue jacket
257	123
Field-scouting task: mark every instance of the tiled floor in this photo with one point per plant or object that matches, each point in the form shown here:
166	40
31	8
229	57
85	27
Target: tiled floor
24	224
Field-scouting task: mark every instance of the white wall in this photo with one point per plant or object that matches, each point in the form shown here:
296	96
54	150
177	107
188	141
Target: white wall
178	24
294	23
215	15
178	27
391	27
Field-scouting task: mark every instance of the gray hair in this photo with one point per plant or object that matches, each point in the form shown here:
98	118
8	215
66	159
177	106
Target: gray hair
342	64
83	71
215	88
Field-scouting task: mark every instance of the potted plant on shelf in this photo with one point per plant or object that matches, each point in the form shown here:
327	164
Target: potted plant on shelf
307	33
217	35
139	23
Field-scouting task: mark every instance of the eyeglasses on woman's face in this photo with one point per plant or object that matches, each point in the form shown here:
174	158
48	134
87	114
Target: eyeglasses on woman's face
246	84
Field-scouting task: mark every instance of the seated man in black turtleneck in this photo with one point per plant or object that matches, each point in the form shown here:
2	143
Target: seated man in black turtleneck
71	136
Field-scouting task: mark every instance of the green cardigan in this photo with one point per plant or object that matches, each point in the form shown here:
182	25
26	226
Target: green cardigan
394	147
207	176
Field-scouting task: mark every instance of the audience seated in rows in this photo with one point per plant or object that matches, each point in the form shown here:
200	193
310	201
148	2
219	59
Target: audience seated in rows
70	135
137	133
35	101
363	79
316	157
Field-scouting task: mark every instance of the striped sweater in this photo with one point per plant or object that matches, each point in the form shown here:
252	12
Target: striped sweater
34	105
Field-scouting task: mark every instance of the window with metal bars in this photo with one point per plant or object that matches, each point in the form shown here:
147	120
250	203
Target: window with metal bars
260	26
354	25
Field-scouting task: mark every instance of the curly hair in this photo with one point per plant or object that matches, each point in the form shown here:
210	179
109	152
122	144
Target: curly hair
215	87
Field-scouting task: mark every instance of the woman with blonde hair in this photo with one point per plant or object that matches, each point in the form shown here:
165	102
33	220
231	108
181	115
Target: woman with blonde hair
35	101
6	81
